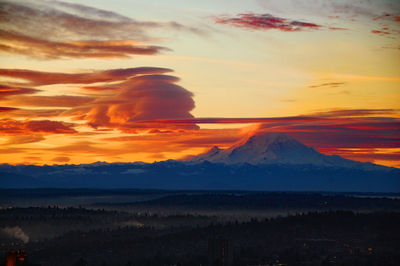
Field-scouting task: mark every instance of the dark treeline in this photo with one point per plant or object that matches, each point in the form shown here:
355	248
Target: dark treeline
44	223
315	238
99	198
273	200
63	192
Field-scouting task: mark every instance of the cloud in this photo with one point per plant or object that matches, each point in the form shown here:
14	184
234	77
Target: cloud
185	139
355	132
50	101
15	232
332	8
6	112
372	14
388	17
364	155
87	147
385	15
332	132
357	112
343	132
122	99
334	128
328	84
211	140
245	120
352	9
16	127
12	150
6	91
61	159
32	159
7	109
39	78
45	49
322	116
265	22
62	20
54	29
289	100
147	97
388	24
160	144
337	28
23	139
380	32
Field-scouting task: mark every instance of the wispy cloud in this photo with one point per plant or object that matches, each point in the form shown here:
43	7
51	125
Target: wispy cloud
358	113
7	109
7	90
49	101
15	127
39	78
265	22
352	128
61	159
23	139
7	112
334	9
340	132
47	49
53	30
328	84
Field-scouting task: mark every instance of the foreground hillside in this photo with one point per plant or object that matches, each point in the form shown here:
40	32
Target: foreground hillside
326	238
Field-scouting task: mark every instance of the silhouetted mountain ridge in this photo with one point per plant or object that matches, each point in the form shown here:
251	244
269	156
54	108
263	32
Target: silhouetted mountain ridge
264	162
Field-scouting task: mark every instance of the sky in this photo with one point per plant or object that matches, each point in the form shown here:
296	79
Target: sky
130	80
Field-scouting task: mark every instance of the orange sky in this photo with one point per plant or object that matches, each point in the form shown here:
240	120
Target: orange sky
93	81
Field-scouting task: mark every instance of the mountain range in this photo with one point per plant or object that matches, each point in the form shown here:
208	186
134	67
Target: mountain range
275	148
273	161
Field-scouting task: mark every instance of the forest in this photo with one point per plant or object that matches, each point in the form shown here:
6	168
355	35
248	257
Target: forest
138	233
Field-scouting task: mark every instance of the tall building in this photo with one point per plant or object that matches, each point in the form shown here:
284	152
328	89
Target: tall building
16	258
220	252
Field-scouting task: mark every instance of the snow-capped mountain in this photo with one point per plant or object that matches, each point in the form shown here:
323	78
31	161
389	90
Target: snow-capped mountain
273	161
273	148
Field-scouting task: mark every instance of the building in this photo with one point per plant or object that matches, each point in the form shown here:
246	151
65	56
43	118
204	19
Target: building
16	258
220	252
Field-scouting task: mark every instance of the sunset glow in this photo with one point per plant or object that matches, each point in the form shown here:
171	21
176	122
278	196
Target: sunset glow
87	81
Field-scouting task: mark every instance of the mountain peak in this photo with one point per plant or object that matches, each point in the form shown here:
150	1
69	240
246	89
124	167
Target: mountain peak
276	136
215	149
210	155
267	138
271	148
